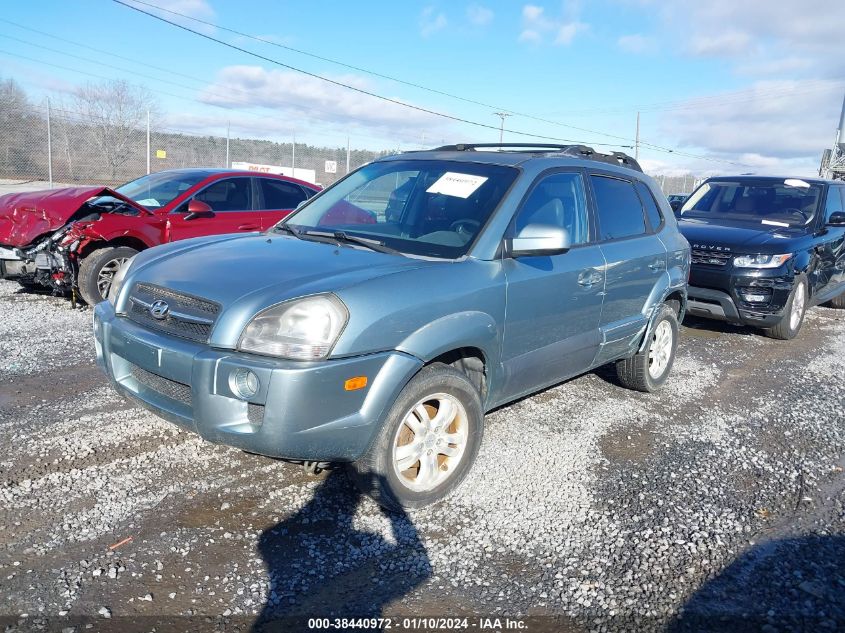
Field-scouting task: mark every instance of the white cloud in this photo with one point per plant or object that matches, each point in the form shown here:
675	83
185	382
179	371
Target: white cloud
198	9
725	44
537	25
479	15
296	97
774	125
431	21
636	44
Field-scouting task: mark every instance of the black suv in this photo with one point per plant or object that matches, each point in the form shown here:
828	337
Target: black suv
764	249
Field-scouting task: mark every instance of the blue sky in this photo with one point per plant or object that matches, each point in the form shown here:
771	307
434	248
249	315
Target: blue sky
730	86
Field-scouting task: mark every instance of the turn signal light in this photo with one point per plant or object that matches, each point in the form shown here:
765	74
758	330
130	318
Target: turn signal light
358	382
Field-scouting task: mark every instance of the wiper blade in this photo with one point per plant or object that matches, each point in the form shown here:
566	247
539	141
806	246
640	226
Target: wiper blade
288	229
341	237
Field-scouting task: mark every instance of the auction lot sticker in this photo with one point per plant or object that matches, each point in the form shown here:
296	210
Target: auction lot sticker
458	185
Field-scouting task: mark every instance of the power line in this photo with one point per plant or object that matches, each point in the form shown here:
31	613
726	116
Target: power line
395	79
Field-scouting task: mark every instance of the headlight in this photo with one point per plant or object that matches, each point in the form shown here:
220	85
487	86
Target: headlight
302	329
117	280
760	261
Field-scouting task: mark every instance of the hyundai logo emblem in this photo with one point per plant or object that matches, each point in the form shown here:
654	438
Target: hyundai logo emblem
159	309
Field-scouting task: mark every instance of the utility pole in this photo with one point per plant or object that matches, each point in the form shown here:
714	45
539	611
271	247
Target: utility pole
637	141
228	126
148	141
502	115
49	146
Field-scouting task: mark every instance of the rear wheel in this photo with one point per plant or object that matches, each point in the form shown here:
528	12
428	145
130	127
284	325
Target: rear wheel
648	369
98	269
428	442
793	313
838	302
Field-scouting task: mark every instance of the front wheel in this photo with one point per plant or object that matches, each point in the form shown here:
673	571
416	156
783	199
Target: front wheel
428	442
98	269
648	369
793	313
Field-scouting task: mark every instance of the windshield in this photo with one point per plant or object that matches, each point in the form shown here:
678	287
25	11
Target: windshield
790	202
157	190
417	207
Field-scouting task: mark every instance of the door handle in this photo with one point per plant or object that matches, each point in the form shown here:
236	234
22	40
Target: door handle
589	278
248	227
658	265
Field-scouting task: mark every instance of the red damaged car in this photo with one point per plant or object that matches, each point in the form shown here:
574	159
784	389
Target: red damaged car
78	237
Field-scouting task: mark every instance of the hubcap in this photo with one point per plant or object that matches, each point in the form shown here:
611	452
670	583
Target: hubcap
661	349
430	442
798	302
107	273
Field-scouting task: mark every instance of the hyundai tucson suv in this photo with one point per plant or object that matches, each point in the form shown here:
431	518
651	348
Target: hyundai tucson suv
486	276
765	249
77	238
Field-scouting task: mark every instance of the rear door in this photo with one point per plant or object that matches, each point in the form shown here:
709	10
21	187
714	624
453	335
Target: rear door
231	202
635	260
277	198
553	302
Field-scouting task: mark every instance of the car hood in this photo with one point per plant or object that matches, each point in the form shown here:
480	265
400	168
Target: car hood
26	216
247	273
740	237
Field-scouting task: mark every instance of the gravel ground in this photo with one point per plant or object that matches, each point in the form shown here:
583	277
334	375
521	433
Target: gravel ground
716	504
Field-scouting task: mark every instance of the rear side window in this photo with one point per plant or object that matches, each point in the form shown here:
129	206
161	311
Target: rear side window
620	212
279	194
835	201
652	212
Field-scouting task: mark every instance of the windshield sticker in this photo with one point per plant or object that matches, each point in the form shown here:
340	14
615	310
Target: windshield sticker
795	182
773	223
457	185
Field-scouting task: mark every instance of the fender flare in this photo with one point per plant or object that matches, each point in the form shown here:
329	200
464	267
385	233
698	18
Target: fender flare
454	331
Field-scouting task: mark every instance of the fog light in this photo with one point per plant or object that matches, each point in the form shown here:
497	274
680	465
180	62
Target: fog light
244	383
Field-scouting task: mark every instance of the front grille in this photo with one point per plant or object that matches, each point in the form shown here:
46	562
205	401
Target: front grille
711	258
188	317
166	387
255	413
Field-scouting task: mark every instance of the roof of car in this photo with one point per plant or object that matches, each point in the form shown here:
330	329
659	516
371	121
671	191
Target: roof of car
513	154
813	181
206	172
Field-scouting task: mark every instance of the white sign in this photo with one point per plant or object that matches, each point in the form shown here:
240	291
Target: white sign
308	175
458	185
331	166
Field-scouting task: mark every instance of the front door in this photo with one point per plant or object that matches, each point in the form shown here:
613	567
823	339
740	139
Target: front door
554	302
232	211
830	250
636	259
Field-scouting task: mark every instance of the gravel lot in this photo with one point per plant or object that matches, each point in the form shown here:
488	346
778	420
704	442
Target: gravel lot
723	496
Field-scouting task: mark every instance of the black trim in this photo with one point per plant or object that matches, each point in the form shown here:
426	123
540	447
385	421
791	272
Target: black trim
578	151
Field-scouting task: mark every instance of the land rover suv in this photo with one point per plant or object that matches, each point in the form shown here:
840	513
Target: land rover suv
765	249
486	275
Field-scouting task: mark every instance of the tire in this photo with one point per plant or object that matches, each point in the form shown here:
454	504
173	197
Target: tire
647	370
93	286
793	313
837	302
377	475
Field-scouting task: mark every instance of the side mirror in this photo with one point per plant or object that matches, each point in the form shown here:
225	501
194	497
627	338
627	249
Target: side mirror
300	205
837	218
540	239
199	209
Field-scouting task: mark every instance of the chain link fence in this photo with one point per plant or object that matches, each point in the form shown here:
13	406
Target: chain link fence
58	147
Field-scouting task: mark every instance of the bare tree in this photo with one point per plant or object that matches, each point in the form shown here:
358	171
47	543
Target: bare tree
116	111
22	129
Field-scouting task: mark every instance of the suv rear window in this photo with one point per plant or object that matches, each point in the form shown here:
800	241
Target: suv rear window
790	202
619	208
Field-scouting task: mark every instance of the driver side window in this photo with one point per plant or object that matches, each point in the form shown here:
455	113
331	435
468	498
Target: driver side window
558	200
835	201
231	194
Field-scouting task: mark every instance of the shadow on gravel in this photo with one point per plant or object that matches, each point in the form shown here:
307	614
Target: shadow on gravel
321	565
795	584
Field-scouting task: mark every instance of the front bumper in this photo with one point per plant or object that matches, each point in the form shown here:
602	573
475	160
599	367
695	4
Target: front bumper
723	294
300	411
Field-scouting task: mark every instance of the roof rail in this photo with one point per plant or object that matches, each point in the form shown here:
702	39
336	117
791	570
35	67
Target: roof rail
578	151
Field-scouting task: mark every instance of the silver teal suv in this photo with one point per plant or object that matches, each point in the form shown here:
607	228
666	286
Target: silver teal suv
377	324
